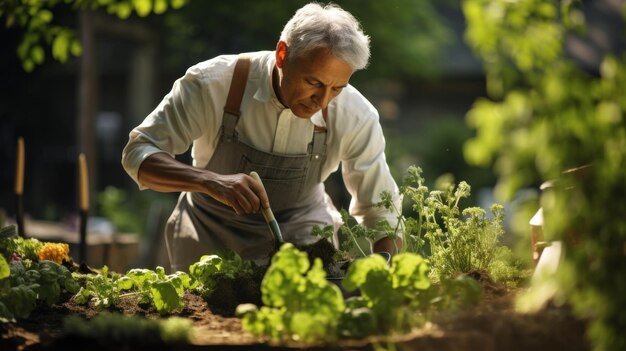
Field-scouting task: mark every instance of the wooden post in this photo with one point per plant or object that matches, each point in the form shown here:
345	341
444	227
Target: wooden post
83	205
86	137
19	188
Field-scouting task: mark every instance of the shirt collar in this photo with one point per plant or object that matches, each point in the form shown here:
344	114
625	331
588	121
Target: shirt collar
265	91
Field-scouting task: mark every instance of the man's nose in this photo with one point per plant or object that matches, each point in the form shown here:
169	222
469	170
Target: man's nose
322	97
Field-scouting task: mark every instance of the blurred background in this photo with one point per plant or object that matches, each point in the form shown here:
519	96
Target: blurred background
79	75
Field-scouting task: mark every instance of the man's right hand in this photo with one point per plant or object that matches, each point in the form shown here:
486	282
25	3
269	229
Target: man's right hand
239	191
161	172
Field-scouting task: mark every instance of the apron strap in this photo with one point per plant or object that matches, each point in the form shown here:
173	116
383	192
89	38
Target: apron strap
235	95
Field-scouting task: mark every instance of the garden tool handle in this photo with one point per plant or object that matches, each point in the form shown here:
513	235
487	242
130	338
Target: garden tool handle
268	214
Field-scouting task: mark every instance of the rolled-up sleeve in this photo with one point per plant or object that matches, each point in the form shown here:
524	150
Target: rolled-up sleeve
366	174
179	119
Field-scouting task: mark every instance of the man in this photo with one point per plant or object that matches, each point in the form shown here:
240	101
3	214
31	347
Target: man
291	116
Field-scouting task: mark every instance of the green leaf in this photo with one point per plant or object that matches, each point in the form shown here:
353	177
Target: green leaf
37	54
160	6
176	4
143	7
5	270
45	16
359	269
8	231
125	283
123	10
76	48
60	47
165	297
142	277
409	270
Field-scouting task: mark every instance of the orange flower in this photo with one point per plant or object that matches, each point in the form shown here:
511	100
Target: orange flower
56	252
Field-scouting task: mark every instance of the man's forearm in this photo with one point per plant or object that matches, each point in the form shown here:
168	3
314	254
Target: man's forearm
161	172
240	191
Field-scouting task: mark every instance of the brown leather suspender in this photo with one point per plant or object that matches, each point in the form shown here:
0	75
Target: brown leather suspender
238	86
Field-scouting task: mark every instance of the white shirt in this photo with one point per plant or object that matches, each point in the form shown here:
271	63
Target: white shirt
192	113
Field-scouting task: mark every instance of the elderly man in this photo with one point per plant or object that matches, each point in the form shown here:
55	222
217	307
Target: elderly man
291	116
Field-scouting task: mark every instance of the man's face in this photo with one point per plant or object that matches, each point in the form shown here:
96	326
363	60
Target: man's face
309	83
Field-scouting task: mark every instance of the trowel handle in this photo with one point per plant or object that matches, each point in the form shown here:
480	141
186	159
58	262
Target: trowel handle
267	212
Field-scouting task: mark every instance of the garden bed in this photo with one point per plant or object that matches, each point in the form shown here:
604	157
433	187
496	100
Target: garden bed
491	325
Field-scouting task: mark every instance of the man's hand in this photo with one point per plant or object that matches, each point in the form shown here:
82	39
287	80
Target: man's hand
386	245
161	172
239	191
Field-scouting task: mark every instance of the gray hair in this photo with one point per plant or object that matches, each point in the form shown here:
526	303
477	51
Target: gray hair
314	26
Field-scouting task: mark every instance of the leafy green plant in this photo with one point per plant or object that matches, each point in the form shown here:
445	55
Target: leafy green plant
24	287
299	303
162	291
390	292
15	246
227	263
107	328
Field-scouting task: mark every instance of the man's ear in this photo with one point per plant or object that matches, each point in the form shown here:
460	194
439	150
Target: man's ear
281	53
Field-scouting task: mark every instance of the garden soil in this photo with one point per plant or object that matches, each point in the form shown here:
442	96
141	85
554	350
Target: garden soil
491	325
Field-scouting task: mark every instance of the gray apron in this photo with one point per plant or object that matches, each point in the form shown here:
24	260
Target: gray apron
201	225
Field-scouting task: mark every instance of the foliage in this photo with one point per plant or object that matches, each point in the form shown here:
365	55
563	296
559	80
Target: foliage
353	232
162	291
300	304
107	328
454	240
130	213
24	287
27	277
545	116
36	19
205	273
24	249
391	293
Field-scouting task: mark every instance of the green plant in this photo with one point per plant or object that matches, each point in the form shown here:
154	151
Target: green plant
162	291
24	287
12	245
299	303
106	328
226	279
454	239
354	233
546	115
390	292
36	18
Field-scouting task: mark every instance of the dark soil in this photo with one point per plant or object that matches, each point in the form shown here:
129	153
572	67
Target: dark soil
492	325
243	288
323	250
